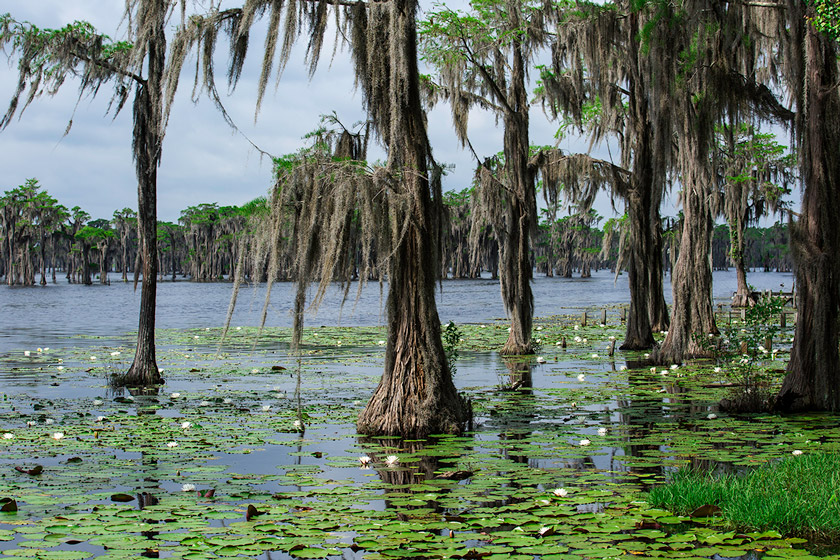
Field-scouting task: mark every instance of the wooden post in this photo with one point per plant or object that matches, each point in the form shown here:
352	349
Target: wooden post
783	320
768	343
612	347
623	314
743	314
603	316
563	343
583	320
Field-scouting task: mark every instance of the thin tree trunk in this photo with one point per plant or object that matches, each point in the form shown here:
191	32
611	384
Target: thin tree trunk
147	145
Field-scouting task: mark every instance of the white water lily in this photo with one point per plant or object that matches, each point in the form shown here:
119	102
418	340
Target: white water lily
93	358
381	343
255	370
160	370
185	425
663	372
188	487
57	436
364	460
391	460
101	418
97	402
560	492
204	403
647	355
226	401
602	431
537	340
46	349
116	353
577	327
60	368
206	328
612	338
8	435
196	337
796	452
239	328
175	395
594	355
539	328
718	369
584	442
297	424
674	366
27	353
585	340
540	360
581	377
578	339
172	444
49	421
30	423
711	416
653	369
266	407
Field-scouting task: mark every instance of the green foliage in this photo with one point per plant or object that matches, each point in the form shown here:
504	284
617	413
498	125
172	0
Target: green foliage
827	17
798	496
741	354
451	336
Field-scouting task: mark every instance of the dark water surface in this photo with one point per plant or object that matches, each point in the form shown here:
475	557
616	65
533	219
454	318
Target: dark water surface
48	316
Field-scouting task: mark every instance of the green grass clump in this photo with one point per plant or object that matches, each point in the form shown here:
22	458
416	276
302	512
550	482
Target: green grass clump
797	496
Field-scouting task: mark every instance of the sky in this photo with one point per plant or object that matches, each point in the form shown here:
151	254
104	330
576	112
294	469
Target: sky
203	159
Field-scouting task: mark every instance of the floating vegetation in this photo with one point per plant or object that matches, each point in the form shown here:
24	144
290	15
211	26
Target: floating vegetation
214	465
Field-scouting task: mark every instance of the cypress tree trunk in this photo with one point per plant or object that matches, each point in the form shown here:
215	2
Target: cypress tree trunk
693	313
416	396
147	145
813	372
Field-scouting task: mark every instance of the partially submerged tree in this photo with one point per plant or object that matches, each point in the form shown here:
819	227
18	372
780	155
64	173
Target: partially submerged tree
47	57
752	173
812	74
482	58
416	396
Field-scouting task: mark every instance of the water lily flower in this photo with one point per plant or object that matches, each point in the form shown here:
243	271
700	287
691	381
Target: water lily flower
339	342
796	452
540	360
8	435
560	492
391	460
26	353
558	343
172	444
115	353
594	355
204	403
602	431
266	407
381	343
175	395
537	340
188	487
578	339
364	460
255	370
101	418
185	425
663	372
584	442
297	424
30	423
647	355
581	377
93	358
585	340
227	401
60	368
46	349
612	338
97	402
718	369
674	366
57	436
653	369
539	328
577	327
711	416
49	421
196	337
239	328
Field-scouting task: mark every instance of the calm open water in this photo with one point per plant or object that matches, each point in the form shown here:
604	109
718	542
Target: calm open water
50	315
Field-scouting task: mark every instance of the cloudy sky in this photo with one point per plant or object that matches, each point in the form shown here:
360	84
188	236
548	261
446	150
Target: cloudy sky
203	160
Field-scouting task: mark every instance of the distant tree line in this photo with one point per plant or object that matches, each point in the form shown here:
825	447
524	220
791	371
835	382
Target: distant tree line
42	239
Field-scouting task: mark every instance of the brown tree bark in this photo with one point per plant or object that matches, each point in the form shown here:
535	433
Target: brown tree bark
416	396
148	106
813	372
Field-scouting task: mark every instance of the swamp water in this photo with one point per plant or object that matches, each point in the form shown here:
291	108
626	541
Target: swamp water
214	466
